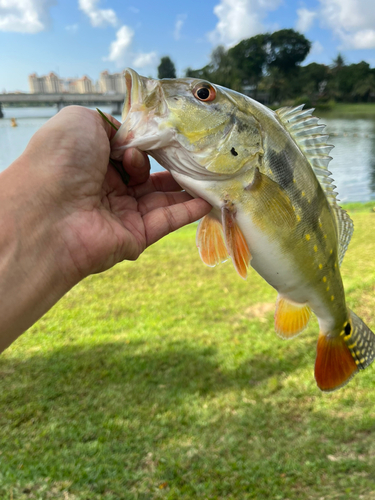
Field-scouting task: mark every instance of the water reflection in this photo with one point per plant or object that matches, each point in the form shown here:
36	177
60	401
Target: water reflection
372	166
353	164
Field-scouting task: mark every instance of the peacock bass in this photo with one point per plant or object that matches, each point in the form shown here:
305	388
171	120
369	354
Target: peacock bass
273	203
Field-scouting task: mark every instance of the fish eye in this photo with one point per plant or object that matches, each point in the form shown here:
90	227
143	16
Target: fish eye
204	92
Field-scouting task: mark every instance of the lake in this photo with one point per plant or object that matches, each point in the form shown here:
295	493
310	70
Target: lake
352	167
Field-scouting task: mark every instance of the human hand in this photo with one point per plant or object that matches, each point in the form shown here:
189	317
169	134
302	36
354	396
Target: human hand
104	221
65	213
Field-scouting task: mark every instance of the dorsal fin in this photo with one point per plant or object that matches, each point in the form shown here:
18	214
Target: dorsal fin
307	133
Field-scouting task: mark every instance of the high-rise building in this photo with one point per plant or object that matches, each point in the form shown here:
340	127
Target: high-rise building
84	85
114	83
52	82
49	84
37	84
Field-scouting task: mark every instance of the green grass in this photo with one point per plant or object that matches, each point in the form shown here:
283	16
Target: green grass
348	110
164	379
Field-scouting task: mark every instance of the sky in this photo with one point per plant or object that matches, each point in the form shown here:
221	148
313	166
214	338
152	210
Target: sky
84	37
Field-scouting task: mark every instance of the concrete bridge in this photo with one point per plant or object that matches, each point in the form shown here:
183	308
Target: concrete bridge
61	100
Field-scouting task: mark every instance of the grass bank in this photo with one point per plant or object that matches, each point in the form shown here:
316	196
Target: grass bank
348	110
164	379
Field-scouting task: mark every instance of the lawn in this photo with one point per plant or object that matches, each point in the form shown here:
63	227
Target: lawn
348	110
164	379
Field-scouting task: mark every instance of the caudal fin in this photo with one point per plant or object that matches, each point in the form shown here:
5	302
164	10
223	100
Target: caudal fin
339	358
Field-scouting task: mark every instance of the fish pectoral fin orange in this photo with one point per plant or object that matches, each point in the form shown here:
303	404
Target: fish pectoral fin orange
272	202
210	241
290	318
339	358
235	242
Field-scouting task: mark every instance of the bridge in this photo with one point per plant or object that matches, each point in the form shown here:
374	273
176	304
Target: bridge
61	100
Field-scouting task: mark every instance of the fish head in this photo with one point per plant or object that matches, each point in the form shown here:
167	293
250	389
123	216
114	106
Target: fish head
188	124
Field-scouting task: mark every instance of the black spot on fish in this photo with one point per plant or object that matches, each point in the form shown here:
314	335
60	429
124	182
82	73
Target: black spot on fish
281	167
347	329
216	107
234	152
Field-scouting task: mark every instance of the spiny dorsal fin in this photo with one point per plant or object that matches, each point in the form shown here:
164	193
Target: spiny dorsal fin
307	133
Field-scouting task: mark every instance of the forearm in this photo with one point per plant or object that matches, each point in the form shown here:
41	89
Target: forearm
33	270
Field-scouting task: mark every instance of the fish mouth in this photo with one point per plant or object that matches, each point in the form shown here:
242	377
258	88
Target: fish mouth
142	94
143	111
132	94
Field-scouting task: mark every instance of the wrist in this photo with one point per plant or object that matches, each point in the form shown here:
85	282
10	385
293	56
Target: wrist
34	270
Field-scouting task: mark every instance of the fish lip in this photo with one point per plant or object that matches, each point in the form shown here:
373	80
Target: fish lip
132	93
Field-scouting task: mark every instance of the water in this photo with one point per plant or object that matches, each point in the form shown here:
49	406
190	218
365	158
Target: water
352	167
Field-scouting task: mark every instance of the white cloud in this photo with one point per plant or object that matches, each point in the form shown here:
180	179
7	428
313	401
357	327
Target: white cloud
317	48
305	19
144	59
72	28
25	16
352	21
98	17
133	9
118	49
178	26
239	19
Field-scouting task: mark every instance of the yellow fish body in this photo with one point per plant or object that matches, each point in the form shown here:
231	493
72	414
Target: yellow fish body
274	207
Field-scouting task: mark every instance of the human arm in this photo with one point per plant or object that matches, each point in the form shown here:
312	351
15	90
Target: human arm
65	214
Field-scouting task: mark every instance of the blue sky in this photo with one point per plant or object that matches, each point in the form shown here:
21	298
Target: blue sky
83	37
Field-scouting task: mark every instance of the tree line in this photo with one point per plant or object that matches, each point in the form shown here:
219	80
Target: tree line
268	67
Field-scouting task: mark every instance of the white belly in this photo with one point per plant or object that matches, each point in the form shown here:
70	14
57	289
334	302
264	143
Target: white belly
267	258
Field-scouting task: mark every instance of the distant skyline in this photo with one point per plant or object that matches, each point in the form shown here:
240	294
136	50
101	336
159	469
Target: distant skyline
84	37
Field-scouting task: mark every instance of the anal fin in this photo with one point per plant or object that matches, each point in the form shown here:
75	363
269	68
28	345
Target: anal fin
235	242
334	364
210	241
290	318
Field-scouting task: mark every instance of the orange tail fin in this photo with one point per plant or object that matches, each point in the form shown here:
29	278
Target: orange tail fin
340	357
334	364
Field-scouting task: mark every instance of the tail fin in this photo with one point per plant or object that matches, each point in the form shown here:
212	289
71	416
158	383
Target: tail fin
339	358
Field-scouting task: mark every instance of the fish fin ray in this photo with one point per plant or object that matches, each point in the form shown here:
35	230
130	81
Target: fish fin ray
305	131
334	364
340	357
235	241
345	229
210	241
290	318
360	341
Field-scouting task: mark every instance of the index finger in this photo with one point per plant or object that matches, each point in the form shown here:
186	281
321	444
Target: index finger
160	181
109	123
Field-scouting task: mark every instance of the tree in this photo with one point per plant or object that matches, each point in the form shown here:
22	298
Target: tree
339	62
347	78
166	68
365	89
312	80
287	49
250	57
220	70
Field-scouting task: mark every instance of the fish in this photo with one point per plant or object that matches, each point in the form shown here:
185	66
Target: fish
274	205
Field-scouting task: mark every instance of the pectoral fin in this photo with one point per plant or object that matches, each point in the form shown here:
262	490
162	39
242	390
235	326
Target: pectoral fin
210	241
235	242
290	318
271	200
